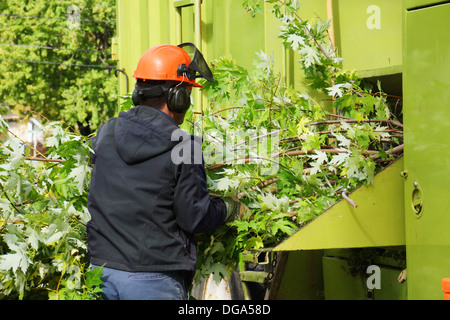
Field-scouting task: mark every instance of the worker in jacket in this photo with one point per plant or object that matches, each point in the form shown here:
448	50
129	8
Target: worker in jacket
145	200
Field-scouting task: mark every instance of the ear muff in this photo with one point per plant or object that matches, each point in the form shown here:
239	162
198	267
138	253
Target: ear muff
135	97
143	93
179	99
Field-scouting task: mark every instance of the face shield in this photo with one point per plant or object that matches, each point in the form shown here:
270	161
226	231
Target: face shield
197	68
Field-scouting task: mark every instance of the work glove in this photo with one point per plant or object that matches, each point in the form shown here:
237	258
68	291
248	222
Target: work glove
235	208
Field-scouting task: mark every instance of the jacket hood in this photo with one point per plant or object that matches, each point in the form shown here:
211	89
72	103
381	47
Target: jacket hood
143	133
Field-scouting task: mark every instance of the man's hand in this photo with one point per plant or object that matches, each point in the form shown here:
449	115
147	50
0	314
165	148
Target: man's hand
235	209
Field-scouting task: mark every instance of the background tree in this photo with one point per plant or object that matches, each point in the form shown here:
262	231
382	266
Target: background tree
55	59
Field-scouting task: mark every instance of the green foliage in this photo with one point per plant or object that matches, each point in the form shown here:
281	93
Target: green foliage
43	253
286	157
55	59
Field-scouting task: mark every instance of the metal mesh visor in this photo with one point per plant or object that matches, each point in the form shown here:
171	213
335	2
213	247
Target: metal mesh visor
198	63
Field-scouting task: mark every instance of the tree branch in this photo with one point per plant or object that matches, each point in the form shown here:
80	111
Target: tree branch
395	123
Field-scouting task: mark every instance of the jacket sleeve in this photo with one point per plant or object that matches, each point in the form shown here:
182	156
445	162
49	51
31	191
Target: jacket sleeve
93	155
94	141
195	210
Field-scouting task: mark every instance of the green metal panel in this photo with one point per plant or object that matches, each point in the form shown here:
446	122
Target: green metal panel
128	20
415	4
426	111
222	27
340	284
302	277
390	288
369	35
140	25
187	32
377	221
230	31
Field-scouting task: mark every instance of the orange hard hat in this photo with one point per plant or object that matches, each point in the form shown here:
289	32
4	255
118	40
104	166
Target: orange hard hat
170	63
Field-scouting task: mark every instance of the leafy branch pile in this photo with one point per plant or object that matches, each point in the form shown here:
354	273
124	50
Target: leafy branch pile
286	156
43	253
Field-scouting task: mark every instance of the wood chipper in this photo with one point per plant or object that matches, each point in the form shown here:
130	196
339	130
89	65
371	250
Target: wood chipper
387	240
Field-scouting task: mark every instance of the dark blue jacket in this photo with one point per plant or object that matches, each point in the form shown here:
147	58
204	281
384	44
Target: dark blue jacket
145	208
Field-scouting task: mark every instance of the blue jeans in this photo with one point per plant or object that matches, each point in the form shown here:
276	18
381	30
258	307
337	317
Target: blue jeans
123	285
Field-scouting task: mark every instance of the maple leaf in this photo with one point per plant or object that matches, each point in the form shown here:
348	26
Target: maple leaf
350	130
33	240
14	150
265	61
56	137
315	168
336	90
320	157
225	184
301	126
93	278
218	271
80	176
339	158
271	202
309	56
343	141
296	41
14	261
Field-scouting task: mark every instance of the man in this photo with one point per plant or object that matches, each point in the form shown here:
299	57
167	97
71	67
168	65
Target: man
145	207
